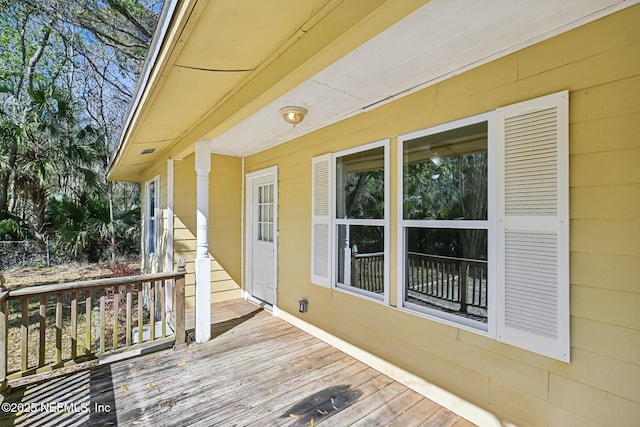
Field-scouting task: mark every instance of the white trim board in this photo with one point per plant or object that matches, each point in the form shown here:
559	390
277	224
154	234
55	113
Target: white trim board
465	409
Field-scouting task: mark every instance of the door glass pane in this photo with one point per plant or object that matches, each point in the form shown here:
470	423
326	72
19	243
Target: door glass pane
265	209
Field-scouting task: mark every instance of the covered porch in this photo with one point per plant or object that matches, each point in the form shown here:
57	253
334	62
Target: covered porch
256	370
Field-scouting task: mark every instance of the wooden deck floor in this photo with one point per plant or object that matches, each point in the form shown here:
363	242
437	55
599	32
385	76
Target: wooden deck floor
257	370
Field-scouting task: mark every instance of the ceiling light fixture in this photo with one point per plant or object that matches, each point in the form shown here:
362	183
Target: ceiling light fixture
293	115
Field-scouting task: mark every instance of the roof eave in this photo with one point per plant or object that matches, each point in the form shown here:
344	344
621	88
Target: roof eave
144	83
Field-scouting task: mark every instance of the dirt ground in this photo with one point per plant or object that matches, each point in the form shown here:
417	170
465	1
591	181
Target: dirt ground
73	272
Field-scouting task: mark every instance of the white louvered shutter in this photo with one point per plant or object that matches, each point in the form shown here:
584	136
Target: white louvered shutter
321	191
533	225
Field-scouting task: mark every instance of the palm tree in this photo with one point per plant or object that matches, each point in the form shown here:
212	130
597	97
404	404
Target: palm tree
52	154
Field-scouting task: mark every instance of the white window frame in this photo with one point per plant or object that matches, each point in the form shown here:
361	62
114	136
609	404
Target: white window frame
489	224
384	222
528	226
152	219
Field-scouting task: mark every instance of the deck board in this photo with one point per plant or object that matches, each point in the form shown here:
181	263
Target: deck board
256	370
386	413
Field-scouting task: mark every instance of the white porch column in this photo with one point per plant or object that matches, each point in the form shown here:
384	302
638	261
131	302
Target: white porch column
203	264
168	265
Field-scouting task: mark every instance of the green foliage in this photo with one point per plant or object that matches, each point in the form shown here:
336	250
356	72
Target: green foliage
83	227
450	188
67	71
12	227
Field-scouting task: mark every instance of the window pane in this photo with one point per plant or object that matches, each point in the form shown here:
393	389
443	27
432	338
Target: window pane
360	185
360	257
445	175
150	230
446	270
265	213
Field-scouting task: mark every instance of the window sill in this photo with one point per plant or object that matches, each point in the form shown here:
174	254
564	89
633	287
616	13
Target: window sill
444	318
369	296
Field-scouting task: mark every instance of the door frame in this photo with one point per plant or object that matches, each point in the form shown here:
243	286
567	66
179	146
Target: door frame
249	231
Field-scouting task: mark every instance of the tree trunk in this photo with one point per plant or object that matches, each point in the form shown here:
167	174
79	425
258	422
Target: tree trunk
112	228
5	177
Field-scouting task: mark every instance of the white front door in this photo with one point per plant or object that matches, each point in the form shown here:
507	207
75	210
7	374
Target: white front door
263	235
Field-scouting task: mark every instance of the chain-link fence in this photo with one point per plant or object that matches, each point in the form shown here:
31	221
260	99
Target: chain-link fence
29	253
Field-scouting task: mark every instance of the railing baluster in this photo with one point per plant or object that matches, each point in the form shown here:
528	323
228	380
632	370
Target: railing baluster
419	268
103	328
455	284
433	279
376	274
163	301
128	327
152	311
464	286
452	281
88	318
423	272
140	318
483	295
438	279
445	280
24	334
74	324
42	313
472	276
58	328
410	267
446	276
4	345
116	303
178	308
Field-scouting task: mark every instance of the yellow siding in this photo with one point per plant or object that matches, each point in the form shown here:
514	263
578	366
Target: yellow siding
225	213
600	65
225	195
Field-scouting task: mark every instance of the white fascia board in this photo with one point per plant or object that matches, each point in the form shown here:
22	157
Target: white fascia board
168	10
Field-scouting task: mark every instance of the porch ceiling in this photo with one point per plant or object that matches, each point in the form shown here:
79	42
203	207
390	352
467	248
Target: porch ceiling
232	68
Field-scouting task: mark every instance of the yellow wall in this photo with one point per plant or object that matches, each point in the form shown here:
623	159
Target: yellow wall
225	195
600	65
225	226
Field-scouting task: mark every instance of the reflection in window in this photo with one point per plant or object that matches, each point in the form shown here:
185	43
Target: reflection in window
360	221
446	270
151	228
445	175
445	202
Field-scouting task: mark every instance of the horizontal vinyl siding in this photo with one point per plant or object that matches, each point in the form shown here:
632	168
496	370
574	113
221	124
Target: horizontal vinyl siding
224	225
600	65
602	382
